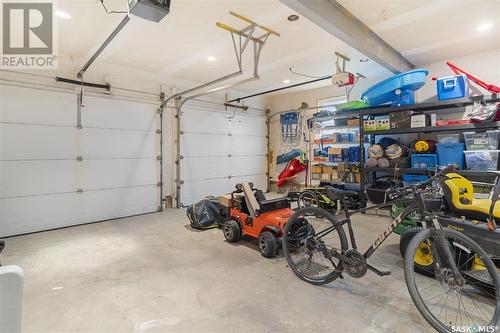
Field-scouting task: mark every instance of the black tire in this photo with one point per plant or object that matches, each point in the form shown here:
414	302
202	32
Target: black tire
291	244
268	244
413	280
232	231
420	266
307	199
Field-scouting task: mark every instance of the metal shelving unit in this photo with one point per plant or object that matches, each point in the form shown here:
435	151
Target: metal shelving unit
421	107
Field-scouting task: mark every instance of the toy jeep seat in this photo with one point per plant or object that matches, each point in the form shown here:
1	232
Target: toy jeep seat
459	195
257	207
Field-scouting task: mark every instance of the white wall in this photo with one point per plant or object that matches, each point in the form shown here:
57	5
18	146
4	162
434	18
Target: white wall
484	65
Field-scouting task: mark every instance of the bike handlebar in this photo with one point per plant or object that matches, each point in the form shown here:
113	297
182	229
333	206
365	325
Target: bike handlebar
444	171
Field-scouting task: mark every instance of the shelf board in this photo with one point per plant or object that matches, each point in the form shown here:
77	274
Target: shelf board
430	129
400	170
438	105
336	127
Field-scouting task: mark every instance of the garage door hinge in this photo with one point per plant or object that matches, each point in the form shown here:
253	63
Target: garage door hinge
158	158
229	155
267	173
179	182
162	96
79	158
79	190
159	184
181	132
229	134
229	177
159	111
181	157
158	131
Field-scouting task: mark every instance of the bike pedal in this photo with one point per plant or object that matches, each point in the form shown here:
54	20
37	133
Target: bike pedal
385	273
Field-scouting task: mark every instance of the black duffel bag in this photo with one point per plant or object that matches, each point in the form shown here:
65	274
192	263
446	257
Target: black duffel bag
205	214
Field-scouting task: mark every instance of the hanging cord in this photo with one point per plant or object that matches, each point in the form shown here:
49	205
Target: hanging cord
305	75
112	11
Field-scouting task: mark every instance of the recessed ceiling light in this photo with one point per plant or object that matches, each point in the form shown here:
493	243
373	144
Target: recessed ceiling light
63	15
292	18
364	60
485	26
286	81
211	58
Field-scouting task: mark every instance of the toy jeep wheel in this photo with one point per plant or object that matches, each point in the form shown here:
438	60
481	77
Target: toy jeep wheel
424	260
232	231
268	244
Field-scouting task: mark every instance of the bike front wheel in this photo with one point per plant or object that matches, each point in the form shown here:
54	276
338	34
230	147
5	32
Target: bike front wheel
311	238
466	299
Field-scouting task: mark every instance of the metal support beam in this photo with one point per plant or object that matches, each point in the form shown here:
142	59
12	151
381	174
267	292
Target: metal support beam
108	40
338	21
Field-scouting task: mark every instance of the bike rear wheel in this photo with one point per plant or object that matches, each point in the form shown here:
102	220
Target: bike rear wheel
448	302
310	237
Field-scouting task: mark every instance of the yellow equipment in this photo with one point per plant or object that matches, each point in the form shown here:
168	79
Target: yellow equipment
459	195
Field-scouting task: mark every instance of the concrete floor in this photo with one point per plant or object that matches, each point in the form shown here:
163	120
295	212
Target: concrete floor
154	274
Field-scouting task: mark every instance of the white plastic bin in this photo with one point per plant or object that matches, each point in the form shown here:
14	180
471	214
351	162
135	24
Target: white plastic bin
448	138
482	140
482	159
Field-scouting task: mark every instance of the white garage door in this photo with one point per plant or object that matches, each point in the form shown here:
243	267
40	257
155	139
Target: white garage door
219	152
53	174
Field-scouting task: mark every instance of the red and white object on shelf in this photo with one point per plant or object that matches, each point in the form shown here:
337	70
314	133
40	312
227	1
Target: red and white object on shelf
343	79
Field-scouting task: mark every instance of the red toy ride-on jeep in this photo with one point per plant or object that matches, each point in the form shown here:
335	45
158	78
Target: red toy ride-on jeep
250	213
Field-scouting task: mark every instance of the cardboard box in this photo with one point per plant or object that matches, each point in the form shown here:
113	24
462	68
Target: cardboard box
327	169
341	167
225	200
353	122
357	178
316	169
316	176
334	151
335	175
326	177
419	120
370	125
400	119
383	124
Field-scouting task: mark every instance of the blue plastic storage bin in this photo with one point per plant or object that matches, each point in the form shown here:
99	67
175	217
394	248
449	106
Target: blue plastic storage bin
452	87
396	90
414	179
424	161
451	153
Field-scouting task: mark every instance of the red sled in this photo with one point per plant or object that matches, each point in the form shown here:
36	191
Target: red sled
490	87
292	168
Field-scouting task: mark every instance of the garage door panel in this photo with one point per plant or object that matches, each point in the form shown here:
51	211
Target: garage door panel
195	191
22	178
259	181
248	125
109	113
19	142
24	105
204	145
106	143
244	145
197	168
198	121
30	214
99	174
115	203
248	165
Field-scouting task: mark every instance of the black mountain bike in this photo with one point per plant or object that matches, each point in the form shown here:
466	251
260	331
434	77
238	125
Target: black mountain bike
453	299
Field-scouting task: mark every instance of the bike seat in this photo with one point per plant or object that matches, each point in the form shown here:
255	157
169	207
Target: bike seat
336	194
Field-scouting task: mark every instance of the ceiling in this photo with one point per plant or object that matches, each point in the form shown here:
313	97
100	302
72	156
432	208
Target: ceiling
177	47
427	31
